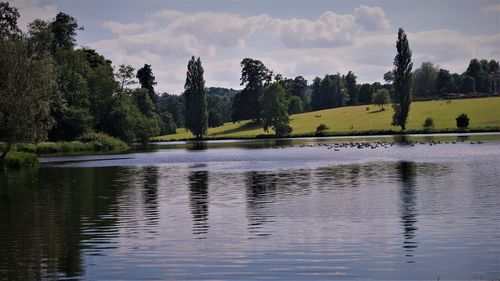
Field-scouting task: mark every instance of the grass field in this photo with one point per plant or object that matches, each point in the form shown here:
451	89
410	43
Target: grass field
484	113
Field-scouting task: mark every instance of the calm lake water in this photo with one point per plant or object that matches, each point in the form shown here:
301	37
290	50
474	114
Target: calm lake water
284	209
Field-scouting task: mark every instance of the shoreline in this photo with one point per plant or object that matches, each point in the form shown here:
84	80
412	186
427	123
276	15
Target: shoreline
492	130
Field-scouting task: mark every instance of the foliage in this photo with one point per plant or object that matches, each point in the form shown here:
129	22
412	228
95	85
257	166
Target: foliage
64	28
174	105
329	92
402	81
468	85
428	124
17	160
365	93
350	83
125	76
27	81
147	81
8	20
247	103
444	82
321	129
381	98
462	121
168	124
101	141
275	110
295	105
196	103
424	80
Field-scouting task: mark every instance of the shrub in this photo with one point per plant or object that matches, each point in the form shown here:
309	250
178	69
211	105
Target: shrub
47	147
428	124
101	141
17	160
462	121
320	130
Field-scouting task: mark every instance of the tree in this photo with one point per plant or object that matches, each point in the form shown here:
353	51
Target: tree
274	112
350	83
64	29
462	121
196	103
381	98
8	20
365	93
247	103
125	76
321	129
316	98
389	77
425	76
468	84
479	71
40	36
299	86
428	124
402	81
147	81
444	82
26	83
295	105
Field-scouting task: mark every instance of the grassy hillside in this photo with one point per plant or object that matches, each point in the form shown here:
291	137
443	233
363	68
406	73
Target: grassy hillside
483	113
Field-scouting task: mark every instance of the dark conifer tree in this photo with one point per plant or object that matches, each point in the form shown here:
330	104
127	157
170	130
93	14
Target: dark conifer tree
402	81
196	103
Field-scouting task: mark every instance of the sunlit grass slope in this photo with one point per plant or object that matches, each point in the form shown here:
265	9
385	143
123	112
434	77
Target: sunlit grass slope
483	113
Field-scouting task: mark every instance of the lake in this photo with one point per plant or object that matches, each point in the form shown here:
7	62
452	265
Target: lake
360	208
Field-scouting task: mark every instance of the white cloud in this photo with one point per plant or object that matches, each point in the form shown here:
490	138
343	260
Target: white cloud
371	18
494	8
332	43
31	10
124	28
328	30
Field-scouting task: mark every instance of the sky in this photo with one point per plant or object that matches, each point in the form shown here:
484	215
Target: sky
308	38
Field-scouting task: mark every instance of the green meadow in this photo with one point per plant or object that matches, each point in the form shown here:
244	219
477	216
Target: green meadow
484	114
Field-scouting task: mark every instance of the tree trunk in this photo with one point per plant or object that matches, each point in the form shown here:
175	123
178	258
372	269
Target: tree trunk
4	153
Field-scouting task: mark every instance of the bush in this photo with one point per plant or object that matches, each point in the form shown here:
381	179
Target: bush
320	130
47	147
101	141
428	124
17	160
462	121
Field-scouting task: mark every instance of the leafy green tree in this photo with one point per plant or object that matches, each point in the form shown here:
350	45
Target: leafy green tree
462	121
196	104
402	81
299	87
350	83
64	28
147	81
26	83
295	105
468	84
247	103
168	124
428	124
365	92
389	77
316	98
424	78
8	20
321	129
274	112
40	36
174	105
125	76
444	82
381	98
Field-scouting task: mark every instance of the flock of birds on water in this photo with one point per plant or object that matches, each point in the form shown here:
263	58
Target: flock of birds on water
377	144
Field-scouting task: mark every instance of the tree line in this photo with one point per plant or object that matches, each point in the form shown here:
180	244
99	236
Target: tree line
50	89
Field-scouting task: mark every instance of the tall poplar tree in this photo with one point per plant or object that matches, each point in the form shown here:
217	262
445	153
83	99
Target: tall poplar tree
402	81
196	115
